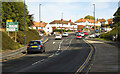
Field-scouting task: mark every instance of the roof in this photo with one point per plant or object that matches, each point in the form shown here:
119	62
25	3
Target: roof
62	22
84	20
102	20
110	20
39	24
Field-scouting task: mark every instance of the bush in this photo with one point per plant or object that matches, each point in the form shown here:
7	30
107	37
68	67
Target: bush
109	35
30	35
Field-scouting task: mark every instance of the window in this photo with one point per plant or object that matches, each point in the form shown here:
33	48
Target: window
48	28
34	43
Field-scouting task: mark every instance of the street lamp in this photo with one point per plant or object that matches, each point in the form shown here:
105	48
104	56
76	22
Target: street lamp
40	12
94	17
24	26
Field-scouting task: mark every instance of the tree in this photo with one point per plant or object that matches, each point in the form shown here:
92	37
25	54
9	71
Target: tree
15	12
89	17
116	19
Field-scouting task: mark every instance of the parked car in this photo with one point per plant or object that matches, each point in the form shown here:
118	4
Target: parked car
85	33
58	36
82	34
79	37
41	34
80	31
92	35
35	46
97	34
76	33
65	34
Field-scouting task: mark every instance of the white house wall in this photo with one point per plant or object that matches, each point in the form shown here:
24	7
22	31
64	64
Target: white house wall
48	30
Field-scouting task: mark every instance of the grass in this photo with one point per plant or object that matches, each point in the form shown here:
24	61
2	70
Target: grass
8	42
102	39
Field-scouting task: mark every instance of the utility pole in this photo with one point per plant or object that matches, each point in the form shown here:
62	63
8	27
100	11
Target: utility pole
24	26
40	12
94	17
62	16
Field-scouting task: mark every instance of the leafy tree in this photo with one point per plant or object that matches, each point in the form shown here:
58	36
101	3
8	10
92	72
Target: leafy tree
116	19
89	17
15	12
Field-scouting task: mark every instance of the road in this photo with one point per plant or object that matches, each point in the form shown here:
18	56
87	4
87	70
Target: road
66	55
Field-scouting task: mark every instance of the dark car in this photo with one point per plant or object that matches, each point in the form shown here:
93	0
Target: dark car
35	46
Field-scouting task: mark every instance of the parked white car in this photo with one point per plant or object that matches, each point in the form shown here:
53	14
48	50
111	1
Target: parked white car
58	36
92	36
82	34
41	34
65	34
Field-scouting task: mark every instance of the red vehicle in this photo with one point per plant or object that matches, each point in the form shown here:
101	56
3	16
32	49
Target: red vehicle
85	33
79	37
79	31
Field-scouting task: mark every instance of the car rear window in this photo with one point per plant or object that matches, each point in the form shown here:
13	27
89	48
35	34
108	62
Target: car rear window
34	43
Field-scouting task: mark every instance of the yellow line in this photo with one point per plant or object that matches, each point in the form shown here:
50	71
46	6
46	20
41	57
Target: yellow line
83	65
14	57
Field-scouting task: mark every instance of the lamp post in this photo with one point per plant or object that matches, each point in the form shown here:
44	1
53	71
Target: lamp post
39	14
94	17
24	26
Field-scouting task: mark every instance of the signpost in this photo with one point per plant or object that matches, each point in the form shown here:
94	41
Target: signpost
11	26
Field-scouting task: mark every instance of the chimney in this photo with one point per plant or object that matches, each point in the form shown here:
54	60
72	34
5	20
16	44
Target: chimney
61	19
97	19
69	20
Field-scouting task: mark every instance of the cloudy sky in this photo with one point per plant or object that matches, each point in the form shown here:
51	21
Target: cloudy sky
71	9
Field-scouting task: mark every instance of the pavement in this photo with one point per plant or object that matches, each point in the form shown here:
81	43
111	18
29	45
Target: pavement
106	56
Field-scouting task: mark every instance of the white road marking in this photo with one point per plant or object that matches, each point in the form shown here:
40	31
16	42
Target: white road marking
38	62
60	44
51	56
53	42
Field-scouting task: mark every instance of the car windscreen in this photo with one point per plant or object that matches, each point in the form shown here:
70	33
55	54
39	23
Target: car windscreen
34	43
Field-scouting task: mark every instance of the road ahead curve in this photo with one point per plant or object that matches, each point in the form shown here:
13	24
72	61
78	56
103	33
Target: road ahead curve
67	61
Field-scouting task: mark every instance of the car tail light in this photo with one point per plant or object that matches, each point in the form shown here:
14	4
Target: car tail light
27	46
40	46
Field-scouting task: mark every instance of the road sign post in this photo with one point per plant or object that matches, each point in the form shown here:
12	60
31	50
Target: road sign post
12	26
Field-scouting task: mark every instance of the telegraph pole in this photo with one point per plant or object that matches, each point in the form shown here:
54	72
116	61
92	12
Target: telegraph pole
94	17
24	26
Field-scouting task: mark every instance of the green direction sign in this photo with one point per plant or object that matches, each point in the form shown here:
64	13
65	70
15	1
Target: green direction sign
11	26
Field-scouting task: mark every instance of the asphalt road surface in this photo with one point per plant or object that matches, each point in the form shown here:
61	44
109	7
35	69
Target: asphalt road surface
65	55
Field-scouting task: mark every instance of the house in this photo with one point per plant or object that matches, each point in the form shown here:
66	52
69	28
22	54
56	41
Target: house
42	26
63	24
87	24
107	23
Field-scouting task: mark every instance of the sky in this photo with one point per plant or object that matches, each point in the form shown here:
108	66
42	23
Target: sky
71	9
